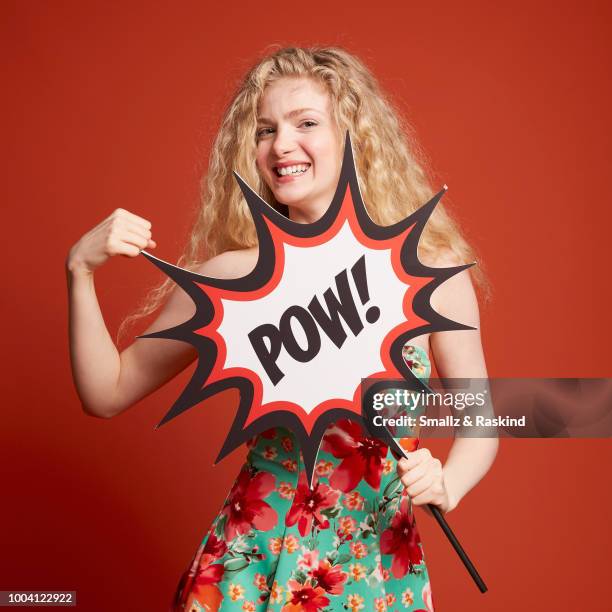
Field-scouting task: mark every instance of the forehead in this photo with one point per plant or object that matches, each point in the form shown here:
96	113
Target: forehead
290	93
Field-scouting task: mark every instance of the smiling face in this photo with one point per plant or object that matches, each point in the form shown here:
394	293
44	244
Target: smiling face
298	146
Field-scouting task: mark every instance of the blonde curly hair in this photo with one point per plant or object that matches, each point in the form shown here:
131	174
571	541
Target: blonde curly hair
393	172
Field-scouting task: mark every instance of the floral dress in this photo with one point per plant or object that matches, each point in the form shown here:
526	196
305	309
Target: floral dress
351	543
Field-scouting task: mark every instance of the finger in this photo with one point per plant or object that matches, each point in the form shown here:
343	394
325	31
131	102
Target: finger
140	231
435	494
138	228
414	458
127	250
136	239
431	467
127	215
122	225
420	486
427	497
410	476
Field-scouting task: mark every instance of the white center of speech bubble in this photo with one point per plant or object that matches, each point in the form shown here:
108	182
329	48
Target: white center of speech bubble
334	373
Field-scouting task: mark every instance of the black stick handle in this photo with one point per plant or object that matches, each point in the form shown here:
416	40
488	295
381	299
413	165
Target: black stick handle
399	451
458	548
452	538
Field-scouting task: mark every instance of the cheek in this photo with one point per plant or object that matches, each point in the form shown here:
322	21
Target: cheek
261	155
259	162
326	153
334	151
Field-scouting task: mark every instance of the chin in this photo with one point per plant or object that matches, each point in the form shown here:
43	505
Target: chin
291	199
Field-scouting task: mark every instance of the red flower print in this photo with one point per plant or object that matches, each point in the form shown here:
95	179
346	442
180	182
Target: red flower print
269	434
214	546
359	550
207	572
275	545
290	465
347	525
291	543
261	582
210	574
362	457
402	541
286	490
323	468
287	443
330	577
203	575
307	505
245	507
208	596
354	500
309	560
270	453
380	604
305	597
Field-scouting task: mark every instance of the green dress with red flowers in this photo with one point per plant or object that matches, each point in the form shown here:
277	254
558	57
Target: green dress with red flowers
350	544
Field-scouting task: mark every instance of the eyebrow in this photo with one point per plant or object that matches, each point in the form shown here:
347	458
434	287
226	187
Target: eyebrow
290	114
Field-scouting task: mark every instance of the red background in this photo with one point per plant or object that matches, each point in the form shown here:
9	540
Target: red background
115	106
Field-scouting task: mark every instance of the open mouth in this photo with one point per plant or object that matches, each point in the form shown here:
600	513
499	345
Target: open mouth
291	170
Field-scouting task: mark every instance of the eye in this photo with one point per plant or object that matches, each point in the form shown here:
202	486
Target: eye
308	123
264	132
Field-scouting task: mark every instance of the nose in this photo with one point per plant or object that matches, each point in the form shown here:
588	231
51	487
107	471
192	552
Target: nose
284	141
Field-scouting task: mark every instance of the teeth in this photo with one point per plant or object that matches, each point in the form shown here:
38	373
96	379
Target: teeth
299	169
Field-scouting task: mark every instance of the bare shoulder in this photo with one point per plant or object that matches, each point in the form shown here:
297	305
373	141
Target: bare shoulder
179	306
457	353
230	264
440	258
455	298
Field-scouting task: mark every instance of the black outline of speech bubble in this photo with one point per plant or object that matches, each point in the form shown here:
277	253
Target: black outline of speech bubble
195	286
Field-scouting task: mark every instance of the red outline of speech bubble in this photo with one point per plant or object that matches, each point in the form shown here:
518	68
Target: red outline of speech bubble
274	230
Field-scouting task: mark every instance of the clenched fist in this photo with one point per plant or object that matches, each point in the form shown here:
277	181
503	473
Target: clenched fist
423	477
121	233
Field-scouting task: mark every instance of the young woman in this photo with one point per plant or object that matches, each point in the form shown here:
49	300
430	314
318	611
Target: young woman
351	543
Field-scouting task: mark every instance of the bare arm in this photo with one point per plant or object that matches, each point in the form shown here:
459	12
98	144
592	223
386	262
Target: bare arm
109	382
457	354
149	363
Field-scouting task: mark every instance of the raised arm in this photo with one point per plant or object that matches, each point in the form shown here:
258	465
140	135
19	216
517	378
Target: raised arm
109	382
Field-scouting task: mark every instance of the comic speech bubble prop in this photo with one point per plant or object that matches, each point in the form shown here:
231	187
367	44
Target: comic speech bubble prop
327	304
